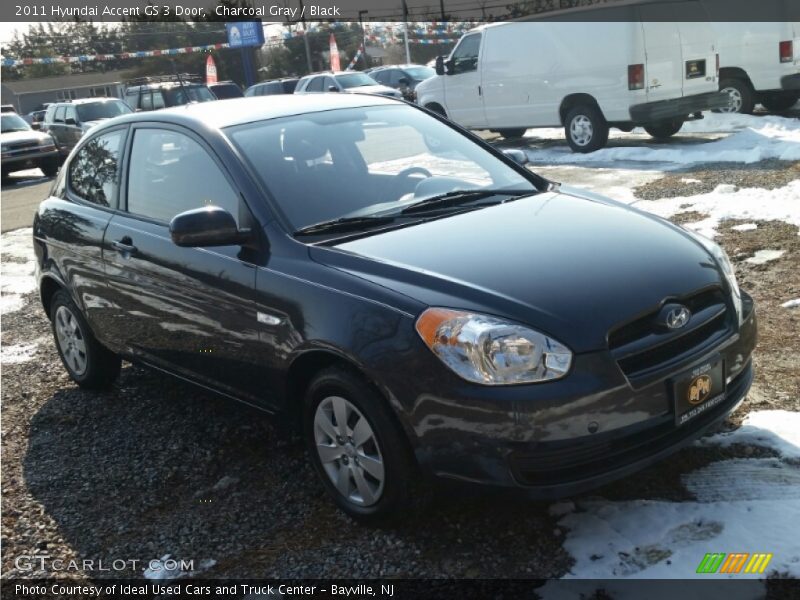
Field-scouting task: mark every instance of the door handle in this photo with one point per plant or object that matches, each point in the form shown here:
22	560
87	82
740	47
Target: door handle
125	245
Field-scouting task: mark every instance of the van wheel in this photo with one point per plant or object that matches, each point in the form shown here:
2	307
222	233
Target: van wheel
780	102
88	363
359	452
664	129
512	134
741	99
586	129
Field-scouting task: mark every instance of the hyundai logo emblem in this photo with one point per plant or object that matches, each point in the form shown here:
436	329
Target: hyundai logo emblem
674	316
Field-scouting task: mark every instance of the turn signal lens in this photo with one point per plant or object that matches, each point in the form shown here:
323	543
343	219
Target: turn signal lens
492	351
786	51
636	77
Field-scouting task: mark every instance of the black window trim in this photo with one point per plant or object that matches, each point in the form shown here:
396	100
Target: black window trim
73	196
122	203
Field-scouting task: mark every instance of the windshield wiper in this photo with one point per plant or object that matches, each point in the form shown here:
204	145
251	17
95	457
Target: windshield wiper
343	224
458	197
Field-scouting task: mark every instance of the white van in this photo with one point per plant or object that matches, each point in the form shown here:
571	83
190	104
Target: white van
759	63
631	69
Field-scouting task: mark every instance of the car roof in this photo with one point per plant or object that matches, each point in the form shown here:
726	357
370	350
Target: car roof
237	111
84	101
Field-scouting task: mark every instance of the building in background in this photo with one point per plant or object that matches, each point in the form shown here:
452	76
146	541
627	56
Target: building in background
29	94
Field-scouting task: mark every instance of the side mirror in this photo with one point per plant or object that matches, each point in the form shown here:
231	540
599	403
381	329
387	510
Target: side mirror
70	121
333	88
440	65
450	67
207	226
518	156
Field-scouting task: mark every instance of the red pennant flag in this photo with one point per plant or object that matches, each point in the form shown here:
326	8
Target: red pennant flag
211	70
335	66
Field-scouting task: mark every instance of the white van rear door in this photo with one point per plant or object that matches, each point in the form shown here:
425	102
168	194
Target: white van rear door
699	52
663	70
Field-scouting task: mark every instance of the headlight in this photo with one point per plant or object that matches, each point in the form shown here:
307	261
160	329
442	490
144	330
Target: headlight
492	351
726	266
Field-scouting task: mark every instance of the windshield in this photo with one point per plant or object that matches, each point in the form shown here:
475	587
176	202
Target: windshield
420	73
13	122
227	90
368	161
351	80
196	93
102	110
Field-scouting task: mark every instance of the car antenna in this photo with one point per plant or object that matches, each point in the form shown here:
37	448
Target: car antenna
180	80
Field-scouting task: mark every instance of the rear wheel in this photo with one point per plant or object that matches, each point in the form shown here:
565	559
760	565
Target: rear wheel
664	129
740	96
780	102
512	134
359	452
88	363
586	129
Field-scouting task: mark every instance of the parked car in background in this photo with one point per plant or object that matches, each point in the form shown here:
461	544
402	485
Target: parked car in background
68	121
647	71
402	77
157	92
759	63
8	108
412	300
35	118
272	87
23	148
225	89
345	82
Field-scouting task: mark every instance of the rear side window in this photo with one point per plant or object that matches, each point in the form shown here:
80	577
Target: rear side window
93	170
465	56
171	173
381	76
71	114
59	118
315	85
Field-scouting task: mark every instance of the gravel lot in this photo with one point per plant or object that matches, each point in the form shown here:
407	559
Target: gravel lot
156	467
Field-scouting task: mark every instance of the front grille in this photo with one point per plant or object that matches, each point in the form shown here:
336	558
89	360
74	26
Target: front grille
12	146
643	348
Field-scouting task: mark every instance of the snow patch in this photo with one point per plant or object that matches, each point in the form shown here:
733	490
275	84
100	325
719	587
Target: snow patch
782	204
745	227
734	498
690	180
791	303
17	268
764	256
17	353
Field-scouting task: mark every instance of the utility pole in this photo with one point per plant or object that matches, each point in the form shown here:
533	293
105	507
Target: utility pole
361	14
405	32
305	37
441	7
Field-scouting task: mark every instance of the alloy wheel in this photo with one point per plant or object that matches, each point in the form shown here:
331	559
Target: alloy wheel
581	130
348	450
71	340
735	100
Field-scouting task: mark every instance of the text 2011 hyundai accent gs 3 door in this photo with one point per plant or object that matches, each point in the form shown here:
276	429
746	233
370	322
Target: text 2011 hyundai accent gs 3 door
413	300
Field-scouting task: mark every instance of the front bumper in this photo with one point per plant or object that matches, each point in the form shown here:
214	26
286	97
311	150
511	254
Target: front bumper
27	159
568	436
791	82
651	112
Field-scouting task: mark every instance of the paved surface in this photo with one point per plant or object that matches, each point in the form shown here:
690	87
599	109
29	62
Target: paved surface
20	198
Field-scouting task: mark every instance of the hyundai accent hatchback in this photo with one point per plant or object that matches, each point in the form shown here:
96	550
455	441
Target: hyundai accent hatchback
415	301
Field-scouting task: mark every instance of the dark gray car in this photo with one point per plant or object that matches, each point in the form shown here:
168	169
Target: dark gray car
68	121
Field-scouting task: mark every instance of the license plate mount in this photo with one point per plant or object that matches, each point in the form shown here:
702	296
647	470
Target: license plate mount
698	390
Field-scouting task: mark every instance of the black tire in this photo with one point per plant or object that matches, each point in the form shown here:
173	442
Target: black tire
780	102
101	365
393	448
664	129
433	107
49	167
512	134
591	141
743	99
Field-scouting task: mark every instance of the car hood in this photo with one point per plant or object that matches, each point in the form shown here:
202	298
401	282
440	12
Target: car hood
382	90
24	136
571	264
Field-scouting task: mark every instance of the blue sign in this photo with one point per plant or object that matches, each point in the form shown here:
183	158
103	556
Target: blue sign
244	34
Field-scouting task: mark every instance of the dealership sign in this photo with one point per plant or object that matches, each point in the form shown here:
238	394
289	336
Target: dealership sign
243	34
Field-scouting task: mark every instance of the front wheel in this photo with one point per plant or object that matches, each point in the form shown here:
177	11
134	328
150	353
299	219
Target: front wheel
512	134
357	449
740	96
664	129
49	166
88	363
780	102
586	129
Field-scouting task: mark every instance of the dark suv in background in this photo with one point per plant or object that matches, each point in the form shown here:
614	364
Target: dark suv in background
163	91
272	87
68	121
